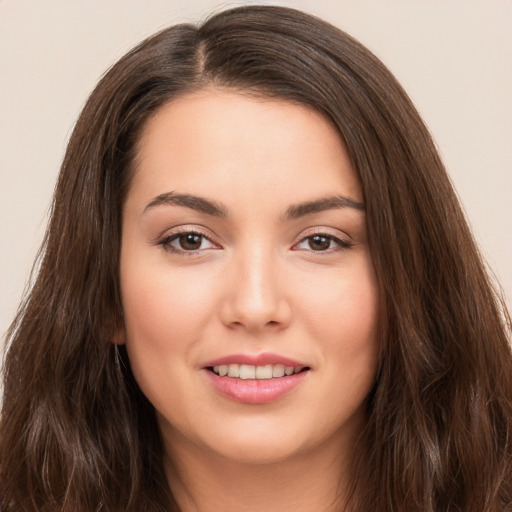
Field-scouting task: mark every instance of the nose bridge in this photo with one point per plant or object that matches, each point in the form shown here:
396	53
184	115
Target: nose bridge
256	299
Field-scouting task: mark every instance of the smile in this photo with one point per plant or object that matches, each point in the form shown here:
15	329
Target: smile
255	379
247	371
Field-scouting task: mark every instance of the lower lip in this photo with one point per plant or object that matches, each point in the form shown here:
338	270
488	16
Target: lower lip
252	391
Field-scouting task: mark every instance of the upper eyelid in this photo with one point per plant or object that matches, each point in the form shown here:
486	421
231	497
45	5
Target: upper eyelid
178	230
177	234
341	241
322	233
326	231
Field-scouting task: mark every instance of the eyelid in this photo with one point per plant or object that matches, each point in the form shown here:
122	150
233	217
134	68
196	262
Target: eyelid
343	241
172	234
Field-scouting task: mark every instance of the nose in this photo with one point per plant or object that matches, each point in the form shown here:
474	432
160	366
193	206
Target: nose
256	297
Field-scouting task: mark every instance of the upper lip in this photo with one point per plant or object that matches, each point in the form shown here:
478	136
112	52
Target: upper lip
255	360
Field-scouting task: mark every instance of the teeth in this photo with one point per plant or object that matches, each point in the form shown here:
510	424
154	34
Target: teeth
234	370
264	372
278	370
247	371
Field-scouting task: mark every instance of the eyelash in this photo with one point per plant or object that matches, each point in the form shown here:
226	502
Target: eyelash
165	243
342	245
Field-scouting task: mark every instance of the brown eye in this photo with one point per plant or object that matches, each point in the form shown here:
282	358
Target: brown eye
190	241
319	242
322	242
187	242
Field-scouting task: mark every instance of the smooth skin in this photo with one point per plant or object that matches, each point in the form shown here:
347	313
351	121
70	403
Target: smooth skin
247	272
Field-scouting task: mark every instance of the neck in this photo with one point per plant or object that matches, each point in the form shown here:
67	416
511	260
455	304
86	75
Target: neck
207	482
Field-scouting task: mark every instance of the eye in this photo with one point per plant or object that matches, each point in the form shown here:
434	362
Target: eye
187	241
321	242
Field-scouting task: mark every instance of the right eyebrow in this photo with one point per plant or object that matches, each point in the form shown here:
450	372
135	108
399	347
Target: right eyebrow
197	203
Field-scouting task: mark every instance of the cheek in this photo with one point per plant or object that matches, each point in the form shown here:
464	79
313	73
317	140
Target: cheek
161	305
358	310
165	312
341	312
344	302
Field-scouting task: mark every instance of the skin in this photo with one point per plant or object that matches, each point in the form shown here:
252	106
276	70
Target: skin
254	285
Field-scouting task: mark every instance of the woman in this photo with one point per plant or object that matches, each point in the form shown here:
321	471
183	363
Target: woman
257	292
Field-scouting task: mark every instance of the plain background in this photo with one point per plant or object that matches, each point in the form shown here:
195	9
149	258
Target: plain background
453	57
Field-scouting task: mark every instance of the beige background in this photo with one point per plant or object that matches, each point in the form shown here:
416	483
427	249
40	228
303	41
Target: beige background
453	57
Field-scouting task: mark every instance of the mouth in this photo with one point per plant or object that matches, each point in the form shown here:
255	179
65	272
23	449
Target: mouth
253	372
256	378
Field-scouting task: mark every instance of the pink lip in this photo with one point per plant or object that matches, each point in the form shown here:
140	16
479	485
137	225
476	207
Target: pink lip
255	391
255	360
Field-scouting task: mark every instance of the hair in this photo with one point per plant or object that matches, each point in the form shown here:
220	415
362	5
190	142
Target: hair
76	432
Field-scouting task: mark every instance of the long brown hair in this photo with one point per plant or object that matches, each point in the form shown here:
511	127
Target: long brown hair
76	433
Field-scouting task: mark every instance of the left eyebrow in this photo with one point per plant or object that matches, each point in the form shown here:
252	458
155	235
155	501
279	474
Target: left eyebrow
322	204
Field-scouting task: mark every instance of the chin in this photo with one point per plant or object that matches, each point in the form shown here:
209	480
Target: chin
254	441
259	451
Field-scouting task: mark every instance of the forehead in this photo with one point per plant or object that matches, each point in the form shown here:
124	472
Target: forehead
221	143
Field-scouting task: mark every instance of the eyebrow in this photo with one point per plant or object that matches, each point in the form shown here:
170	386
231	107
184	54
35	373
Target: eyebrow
319	205
189	201
219	210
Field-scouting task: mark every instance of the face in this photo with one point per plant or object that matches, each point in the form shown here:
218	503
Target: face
249	295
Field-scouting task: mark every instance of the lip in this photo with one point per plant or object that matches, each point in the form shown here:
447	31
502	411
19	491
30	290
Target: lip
253	391
255	360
